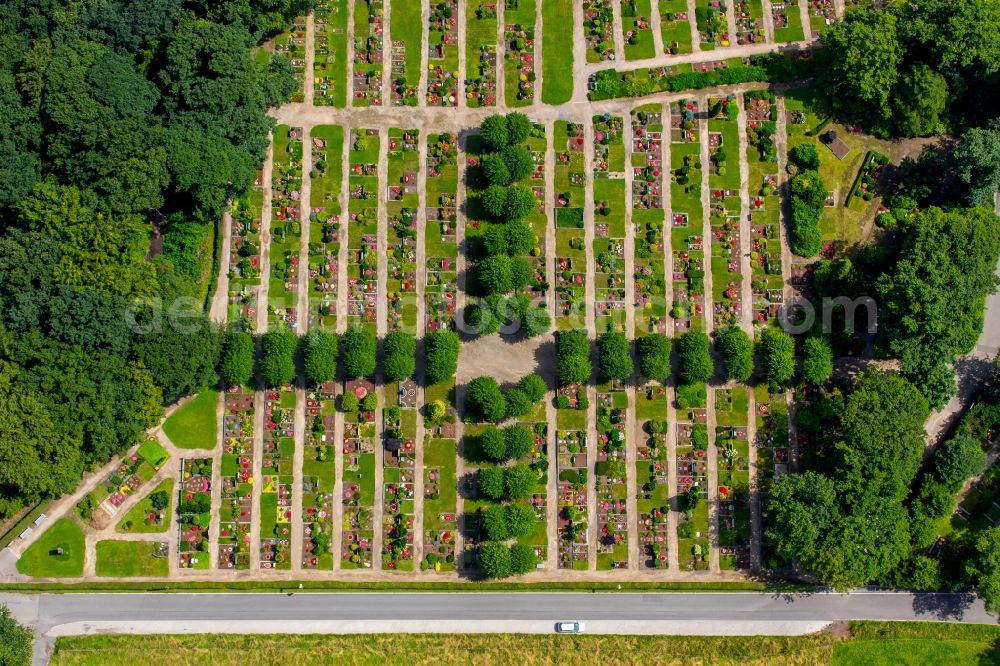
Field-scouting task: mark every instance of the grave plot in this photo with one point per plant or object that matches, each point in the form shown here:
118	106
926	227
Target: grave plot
609	223
319	474
610	476
292	45
133	472
734	477
638	37
362	264
712	25
652	468
724	196
244	258
286	227
675	26
359	474
401	208
538	219
366	78
153	514
538	539
398	469
750	22
276	480
442	54
765	206
572	493
649	297
686	224
407	44
772	445
692	481
440	505
481	55
519	59
821	14
441	243
571	248
236	512
330	65
325	219
599	30
787	21
194	513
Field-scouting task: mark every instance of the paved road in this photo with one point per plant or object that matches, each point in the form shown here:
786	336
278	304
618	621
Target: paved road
616	613
51	611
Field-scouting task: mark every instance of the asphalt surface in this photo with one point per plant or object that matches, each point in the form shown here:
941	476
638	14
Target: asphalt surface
48	611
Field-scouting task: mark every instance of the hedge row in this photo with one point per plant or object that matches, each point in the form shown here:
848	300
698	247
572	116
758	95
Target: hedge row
770	68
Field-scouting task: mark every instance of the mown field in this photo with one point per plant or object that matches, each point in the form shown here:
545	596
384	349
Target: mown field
869	643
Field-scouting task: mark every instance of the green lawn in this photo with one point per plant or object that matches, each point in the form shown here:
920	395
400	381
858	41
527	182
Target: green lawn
557	52
194	426
41	560
129	558
407	28
134	521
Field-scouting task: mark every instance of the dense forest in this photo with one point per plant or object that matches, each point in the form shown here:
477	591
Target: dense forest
125	126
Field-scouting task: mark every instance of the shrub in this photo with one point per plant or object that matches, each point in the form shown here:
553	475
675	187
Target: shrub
805	156
691	395
369	403
349	403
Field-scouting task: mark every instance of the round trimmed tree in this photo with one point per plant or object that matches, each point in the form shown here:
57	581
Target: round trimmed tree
494	523
778	353
519	441
654	356
495	274
518	127
319	356
400	359
695	364
236	367
490	482
358	351
277	361
485	400
533	387
518	161
522	558
519	482
494	558
817	360
493	445
736	348
518	404
614	357
518	203
441	348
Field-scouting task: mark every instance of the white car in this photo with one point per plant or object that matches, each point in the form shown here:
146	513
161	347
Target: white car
569	627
